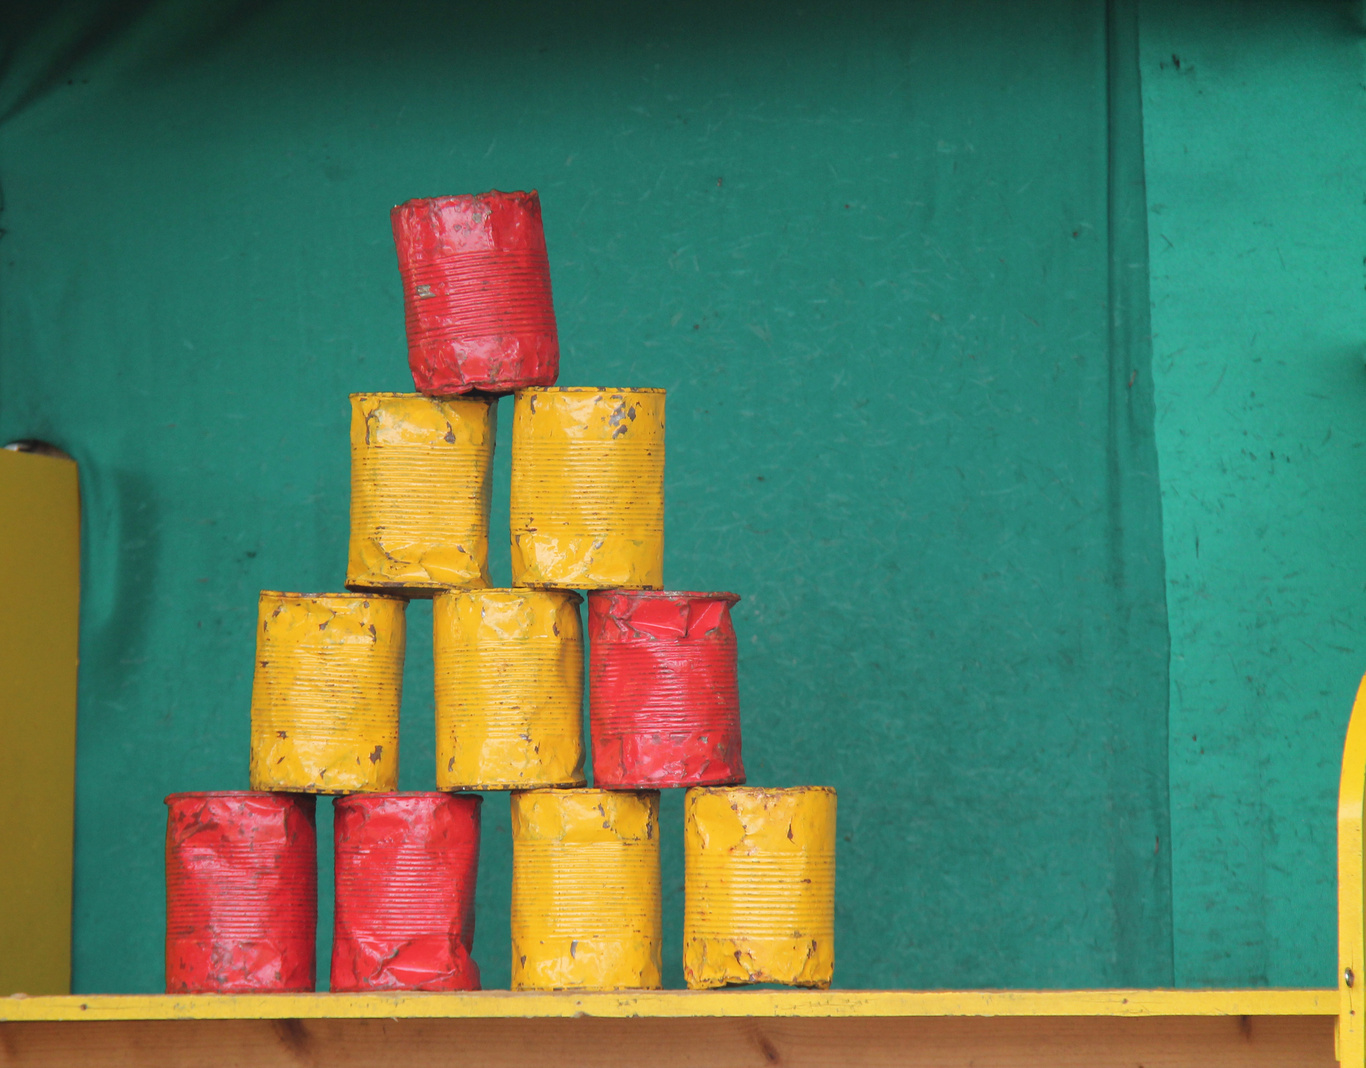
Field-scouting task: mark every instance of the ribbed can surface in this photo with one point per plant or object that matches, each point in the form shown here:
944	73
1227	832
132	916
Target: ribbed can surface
587	502
421	476
405	876
759	886
663	701
509	689
585	890
241	893
476	293
325	696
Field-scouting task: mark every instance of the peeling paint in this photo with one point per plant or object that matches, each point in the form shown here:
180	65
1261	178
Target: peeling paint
325	697
663	701
476	293
759	886
241	893
587	498
406	866
509	689
585	890
421	479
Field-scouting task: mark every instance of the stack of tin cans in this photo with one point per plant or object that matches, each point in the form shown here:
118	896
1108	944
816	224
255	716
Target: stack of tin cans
586	514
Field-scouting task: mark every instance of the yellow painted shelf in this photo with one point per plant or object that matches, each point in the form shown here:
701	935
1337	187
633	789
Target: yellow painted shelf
675	1004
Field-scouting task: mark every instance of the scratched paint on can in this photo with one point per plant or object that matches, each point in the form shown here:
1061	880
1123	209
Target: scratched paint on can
421	478
406	866
664	705
585	890
326	692
759	886
587	498
509	689
241	893
476	293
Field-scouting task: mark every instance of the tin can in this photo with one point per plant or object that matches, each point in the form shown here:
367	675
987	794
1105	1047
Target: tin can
759	886
509	689
476	293
325	697
241	893
587	501
421	475
405	874
664	706
585	890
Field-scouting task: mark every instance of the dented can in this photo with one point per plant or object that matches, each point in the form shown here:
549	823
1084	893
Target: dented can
241	893
664	706
325	696
585	890
405	875
421	475
509	689
587	500
476	293
759	886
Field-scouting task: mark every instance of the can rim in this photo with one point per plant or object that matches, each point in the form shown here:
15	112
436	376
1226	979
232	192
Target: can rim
348	595
290	794
694	595
584	790
522	193
472	394
471	591
389	795
752	789
592	389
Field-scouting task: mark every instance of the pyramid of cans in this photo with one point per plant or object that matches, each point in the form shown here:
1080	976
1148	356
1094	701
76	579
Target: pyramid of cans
586	514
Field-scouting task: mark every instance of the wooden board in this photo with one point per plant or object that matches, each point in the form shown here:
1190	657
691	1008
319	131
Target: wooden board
982	1042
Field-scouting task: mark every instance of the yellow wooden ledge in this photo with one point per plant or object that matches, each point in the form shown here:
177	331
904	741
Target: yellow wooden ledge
674	1004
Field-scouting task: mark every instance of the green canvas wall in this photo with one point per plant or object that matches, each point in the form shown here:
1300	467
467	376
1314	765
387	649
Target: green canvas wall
891	262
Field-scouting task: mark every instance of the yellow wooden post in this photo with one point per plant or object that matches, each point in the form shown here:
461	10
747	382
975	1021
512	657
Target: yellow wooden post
1351	902
40	576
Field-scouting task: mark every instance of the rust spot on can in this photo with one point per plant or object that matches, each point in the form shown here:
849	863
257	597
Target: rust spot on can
406	866
241	893
509	689
476	293
421	475
759	886
587	498
585	890
325	697
663	699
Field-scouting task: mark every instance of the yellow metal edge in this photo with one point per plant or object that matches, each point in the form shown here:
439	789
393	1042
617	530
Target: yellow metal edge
1351	1034
665	1004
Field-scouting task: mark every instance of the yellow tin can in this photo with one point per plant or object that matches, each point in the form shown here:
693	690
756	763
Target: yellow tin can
509	689
325	697
759	886
587	508
421	473
585	890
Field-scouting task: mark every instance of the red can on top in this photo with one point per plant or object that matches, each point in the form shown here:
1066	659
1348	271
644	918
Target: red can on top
664	705
241	893
405	876
476	293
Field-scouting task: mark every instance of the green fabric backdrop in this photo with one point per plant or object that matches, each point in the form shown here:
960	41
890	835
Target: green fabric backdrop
890	262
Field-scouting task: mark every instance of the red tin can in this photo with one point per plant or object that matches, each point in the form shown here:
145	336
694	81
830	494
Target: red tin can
663	701
405	875
476	293
241	893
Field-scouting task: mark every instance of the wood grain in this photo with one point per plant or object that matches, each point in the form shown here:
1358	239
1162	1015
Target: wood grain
1066	1042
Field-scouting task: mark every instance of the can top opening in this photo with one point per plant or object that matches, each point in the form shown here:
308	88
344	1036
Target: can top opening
692	595
294	795
337	595
363	796
591	389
